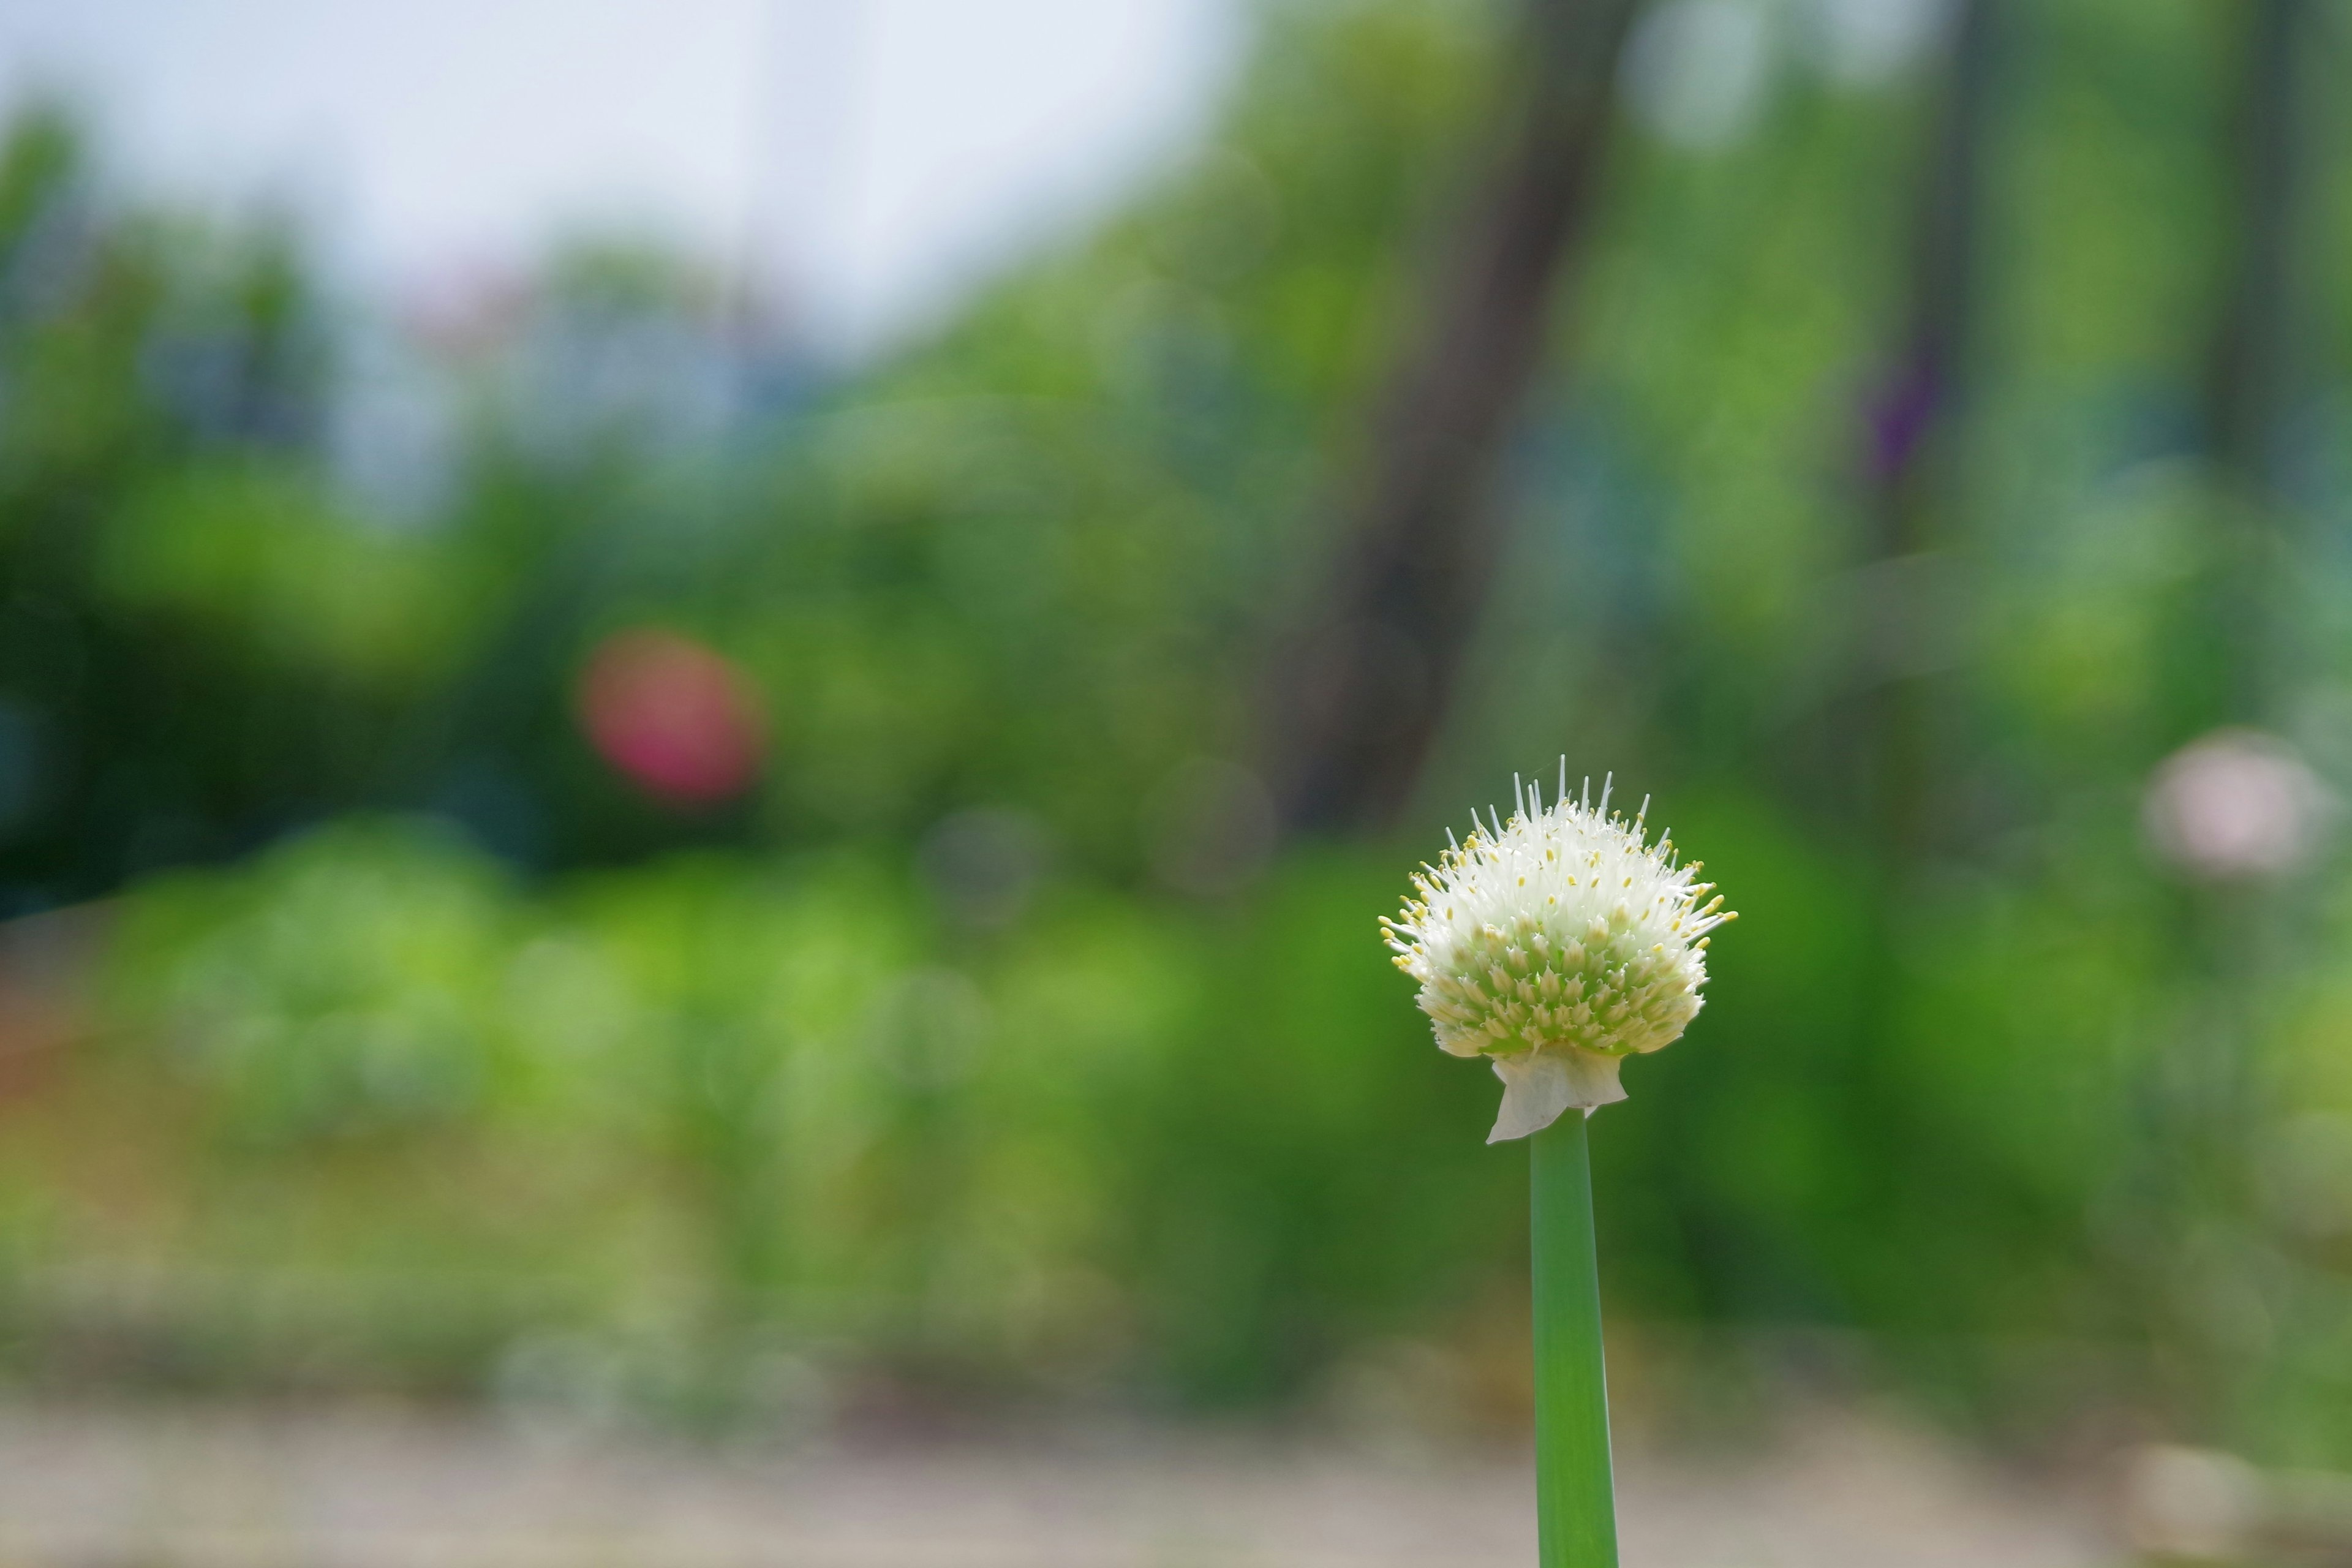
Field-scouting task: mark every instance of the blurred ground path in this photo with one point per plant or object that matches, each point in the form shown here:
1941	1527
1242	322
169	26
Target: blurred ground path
98	1488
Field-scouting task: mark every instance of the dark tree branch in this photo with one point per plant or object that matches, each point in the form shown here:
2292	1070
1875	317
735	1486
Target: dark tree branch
2251	371
1912	427
1918	405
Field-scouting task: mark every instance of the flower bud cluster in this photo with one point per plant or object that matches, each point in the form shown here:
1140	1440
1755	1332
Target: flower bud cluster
1557	943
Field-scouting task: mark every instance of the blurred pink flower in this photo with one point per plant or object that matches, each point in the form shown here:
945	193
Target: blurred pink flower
2235	804
679	720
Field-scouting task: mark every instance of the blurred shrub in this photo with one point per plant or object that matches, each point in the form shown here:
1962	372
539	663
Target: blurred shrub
265	560
1089	1149
345	987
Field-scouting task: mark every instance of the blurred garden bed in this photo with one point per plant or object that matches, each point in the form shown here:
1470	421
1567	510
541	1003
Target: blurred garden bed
731	1143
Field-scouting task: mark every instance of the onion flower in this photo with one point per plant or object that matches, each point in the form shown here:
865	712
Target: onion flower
1556	944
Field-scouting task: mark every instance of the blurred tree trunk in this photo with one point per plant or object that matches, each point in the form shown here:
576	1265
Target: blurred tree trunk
1907	597
1357	693
2249	378
2203	1102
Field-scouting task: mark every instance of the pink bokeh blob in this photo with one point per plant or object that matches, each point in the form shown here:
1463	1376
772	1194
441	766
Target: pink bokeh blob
676	717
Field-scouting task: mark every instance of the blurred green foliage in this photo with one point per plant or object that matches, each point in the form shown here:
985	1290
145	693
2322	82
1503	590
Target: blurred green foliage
979	1045
1098	1150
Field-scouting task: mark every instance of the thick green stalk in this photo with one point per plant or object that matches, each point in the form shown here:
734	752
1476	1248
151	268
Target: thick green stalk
1576	1505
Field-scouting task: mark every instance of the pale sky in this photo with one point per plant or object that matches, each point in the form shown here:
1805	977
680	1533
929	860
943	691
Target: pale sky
873	156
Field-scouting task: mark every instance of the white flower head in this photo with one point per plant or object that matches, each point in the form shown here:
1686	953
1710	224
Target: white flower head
1557	944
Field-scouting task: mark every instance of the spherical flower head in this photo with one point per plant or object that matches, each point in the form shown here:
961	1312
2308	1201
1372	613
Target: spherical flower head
1556	944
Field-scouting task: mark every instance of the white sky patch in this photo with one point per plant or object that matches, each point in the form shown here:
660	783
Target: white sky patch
1699	74
1694	72
866	159
1864	42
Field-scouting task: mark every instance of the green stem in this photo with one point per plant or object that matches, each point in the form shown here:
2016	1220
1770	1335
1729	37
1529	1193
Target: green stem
1576	1507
